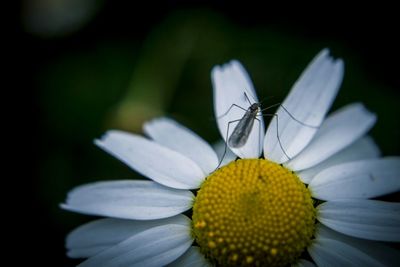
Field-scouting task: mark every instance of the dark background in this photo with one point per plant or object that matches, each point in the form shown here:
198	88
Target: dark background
124	63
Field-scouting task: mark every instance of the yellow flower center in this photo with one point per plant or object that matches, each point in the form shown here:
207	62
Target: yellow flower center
253	212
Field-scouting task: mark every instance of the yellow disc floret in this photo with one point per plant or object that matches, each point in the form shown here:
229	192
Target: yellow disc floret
253	212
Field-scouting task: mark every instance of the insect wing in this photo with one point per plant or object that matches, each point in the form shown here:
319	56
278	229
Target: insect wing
241	133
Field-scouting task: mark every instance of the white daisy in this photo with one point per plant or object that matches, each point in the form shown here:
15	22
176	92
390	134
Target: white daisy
253	211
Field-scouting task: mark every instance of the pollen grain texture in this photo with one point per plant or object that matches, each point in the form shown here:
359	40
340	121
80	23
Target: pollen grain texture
253	212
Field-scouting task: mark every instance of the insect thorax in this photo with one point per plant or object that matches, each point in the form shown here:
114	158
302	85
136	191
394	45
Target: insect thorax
254	107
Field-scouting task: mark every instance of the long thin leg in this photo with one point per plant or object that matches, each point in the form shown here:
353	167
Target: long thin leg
269	107
290	115
277	134
226	143
259	134
234	105
229	109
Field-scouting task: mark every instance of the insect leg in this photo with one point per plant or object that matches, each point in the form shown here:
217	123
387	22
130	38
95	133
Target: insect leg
277	124
277	134
229	109
291	116
226	142
259	134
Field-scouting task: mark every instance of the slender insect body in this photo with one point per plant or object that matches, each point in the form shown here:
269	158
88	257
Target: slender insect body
242	130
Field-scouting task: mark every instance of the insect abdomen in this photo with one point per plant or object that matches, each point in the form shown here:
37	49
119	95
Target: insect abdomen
241	132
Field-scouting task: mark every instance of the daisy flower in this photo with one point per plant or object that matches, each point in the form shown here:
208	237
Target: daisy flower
305	202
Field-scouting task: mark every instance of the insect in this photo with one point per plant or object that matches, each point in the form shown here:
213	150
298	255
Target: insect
242	130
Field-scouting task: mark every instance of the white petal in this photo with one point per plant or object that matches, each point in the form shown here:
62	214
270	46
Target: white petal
220	148
157	246
157	162
364	148
306	105
171	134
303	263
137	200
230	83
368	219
331	253
359	179
94	237
192	258
376	250
337	132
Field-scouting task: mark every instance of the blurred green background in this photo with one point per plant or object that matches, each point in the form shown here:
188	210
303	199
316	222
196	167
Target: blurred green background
94	65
